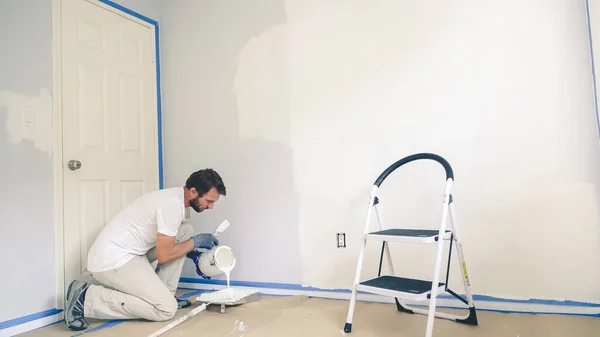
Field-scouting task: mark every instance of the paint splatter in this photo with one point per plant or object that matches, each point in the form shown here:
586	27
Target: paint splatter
239	326
234	327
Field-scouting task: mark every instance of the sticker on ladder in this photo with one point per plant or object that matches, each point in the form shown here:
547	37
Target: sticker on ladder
464	267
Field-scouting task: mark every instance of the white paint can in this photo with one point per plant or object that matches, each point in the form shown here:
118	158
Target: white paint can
216	261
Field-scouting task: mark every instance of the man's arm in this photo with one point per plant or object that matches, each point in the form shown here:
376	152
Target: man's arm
167	250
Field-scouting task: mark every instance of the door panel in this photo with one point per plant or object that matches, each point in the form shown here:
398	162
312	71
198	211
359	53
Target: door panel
93	212
109	121
91	110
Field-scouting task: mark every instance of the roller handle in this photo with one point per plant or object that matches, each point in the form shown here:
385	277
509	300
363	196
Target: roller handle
221	228
180	320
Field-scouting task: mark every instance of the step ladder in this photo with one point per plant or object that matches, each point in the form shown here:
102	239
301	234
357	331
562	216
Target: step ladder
408	289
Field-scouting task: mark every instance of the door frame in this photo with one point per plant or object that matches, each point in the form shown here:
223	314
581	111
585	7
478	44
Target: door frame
58	162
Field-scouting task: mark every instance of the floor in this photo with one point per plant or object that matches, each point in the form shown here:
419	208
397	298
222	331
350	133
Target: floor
294	316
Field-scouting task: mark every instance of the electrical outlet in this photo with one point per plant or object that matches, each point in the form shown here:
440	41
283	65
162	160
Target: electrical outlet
341	240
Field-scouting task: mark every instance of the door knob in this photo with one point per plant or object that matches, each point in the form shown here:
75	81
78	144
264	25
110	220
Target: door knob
74	165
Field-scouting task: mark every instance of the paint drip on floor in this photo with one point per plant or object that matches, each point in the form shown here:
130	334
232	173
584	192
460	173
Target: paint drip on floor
239	326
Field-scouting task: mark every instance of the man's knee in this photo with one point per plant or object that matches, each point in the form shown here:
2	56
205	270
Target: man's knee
166	309
186	231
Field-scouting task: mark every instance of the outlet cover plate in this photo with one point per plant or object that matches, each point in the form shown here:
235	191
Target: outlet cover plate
341	240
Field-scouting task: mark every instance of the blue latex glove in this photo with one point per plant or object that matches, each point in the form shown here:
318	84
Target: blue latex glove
195	256
205	240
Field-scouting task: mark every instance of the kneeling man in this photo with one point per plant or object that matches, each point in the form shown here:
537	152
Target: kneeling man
150	228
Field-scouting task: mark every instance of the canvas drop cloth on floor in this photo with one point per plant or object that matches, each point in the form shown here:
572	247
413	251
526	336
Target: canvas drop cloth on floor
295	316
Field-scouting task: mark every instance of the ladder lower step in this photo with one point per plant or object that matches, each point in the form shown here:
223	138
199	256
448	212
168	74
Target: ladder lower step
400	287
407	235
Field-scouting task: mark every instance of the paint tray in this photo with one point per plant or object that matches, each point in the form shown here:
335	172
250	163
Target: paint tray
229	296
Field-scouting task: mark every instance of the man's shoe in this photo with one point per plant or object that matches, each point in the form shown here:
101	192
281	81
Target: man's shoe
183	303
74	306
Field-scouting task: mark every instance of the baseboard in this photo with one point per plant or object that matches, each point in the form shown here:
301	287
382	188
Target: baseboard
482	302
30	322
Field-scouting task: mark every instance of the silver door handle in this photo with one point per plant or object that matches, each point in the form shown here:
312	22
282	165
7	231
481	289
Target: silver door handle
74	165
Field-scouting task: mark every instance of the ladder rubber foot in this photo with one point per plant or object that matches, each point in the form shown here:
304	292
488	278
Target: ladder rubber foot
348	327
472	319
402	309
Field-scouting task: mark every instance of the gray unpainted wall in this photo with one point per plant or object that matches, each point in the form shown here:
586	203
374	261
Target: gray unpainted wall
198	101
26	172
26	195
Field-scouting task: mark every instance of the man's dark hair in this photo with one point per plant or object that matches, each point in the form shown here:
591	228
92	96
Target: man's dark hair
205	179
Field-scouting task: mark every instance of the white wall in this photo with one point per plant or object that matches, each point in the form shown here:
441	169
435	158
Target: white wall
26	177
301	104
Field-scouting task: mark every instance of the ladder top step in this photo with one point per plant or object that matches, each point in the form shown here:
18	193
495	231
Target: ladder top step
423	233
407	235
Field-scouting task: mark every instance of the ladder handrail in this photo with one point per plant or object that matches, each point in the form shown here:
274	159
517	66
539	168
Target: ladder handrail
417	156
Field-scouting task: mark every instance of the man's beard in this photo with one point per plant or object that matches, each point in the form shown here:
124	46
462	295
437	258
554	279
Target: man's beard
196	207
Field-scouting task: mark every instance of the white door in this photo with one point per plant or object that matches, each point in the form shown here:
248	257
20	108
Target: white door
109	121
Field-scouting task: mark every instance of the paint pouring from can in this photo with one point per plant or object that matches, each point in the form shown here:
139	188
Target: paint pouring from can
224	260
219	260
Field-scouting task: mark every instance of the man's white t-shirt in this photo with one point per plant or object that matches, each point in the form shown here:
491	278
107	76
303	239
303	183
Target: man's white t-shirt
134	229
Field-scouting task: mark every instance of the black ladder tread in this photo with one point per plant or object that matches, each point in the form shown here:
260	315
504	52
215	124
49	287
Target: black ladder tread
408	232
401	284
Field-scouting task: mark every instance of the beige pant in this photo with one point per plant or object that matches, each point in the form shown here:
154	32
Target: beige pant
136	290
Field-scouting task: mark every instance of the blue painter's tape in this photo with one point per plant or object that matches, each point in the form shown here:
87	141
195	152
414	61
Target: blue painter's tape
25	319
290	286
532	301
589	27
286	286
108	324
183	288
161	183
192	293
539	312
